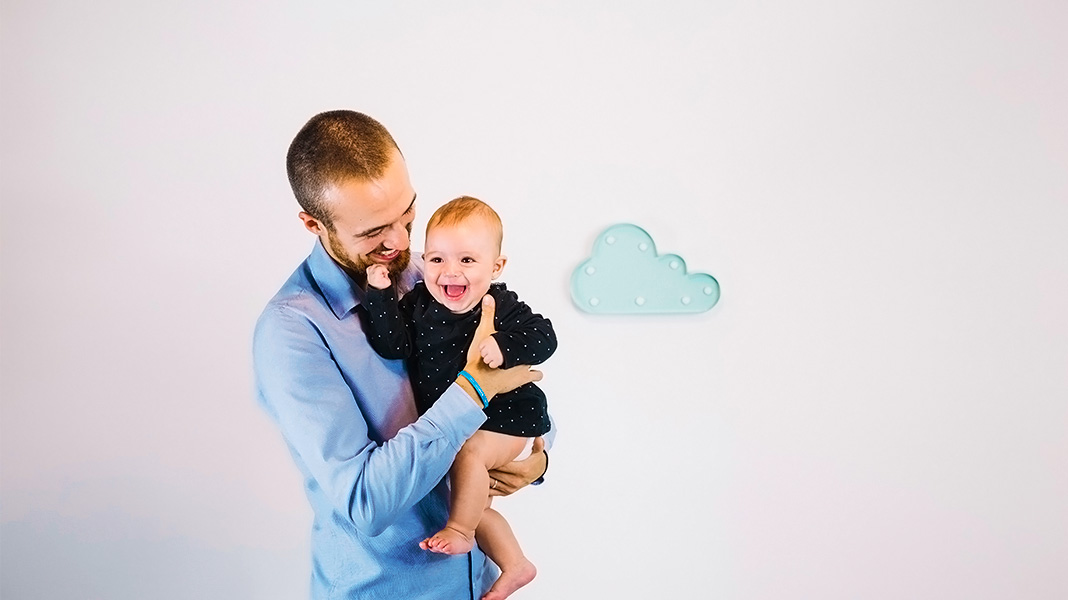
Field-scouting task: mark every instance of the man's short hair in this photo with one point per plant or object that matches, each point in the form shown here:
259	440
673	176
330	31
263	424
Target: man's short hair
460	209
332	147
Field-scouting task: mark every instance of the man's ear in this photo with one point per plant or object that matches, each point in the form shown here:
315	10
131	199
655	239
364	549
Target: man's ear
498	266
311	223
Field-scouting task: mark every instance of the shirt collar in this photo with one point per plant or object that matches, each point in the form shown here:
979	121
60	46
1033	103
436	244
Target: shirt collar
340	291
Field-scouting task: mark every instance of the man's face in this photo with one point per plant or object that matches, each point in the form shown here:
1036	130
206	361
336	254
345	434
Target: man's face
372	221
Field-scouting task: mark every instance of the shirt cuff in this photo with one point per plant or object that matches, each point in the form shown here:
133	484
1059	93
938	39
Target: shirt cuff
456	415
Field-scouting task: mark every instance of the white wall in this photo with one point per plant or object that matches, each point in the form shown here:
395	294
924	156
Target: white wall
876	409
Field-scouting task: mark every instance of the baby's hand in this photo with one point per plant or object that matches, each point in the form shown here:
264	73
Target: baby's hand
491	352
378	276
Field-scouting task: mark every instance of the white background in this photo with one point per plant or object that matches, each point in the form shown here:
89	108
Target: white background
877	408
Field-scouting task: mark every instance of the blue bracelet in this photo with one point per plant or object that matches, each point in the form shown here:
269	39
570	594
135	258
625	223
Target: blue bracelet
478	390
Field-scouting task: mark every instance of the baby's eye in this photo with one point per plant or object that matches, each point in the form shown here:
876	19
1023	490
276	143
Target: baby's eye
467	259
435	259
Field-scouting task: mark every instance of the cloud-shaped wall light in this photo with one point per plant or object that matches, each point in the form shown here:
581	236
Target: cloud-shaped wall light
624	275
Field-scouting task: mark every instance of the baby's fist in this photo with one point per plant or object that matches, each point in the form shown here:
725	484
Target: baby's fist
491	352
378	276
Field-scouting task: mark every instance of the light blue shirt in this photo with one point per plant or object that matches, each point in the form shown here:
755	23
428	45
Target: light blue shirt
373	469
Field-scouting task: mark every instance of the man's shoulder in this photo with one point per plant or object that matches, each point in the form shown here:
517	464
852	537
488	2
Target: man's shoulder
294	300
299	282
297	298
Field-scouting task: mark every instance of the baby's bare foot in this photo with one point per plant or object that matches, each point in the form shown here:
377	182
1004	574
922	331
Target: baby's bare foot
449	541
512	578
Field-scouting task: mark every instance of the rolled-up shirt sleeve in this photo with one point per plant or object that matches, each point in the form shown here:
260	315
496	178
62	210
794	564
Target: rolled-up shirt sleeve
301	386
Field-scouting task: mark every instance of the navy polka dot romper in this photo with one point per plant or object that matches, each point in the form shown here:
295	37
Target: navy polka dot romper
435	341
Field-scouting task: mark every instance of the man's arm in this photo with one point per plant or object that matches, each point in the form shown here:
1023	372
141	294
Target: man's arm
302	388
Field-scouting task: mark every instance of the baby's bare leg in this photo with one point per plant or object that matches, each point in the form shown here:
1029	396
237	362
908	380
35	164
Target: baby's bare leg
495	537
470	480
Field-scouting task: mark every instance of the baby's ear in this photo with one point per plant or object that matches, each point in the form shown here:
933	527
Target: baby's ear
498	265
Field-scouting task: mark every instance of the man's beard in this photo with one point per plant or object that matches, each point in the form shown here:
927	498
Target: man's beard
357	266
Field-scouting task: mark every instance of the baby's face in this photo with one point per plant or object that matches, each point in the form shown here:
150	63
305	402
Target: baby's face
460	263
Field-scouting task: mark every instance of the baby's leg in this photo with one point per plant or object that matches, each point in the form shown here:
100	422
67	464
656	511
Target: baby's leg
470	487
495	537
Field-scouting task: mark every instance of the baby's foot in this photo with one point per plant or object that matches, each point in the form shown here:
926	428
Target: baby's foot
449	541
512	578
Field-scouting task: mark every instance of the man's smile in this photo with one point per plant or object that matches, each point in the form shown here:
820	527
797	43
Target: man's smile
386	255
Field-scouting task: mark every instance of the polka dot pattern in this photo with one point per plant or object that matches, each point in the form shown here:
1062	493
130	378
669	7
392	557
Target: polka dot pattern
438	350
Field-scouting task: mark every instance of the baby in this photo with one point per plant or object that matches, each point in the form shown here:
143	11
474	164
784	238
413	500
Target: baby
432	326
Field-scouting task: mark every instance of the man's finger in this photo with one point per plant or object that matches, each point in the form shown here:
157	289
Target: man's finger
485	323
485	326
516	376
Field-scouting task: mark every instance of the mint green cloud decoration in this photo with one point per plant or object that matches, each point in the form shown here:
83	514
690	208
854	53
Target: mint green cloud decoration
625	275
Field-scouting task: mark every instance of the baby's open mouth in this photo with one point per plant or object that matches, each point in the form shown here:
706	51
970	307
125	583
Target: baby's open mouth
454	292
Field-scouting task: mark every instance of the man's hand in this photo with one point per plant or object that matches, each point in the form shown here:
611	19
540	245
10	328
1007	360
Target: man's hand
378	276
492	381
491	352
518	474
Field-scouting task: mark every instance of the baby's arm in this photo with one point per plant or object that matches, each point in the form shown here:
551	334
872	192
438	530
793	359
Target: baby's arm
523	336
387	330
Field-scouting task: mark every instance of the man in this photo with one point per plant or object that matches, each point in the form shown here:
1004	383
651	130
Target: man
373	468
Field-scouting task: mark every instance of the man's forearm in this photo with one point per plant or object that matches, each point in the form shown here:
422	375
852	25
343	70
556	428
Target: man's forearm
363	477
387	484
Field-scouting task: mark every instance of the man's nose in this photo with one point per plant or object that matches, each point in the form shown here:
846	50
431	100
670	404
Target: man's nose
397	238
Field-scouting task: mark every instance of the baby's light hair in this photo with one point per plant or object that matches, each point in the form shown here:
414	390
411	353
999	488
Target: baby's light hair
463	208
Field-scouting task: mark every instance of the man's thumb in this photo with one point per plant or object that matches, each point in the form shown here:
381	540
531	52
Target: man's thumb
485	324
